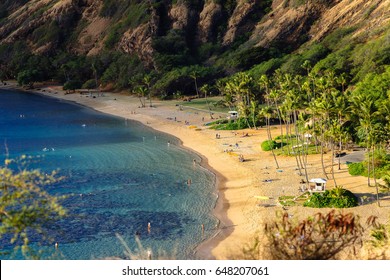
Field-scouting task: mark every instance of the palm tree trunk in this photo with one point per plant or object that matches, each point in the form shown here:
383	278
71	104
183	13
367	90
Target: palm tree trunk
270	140
297	140
150	99
332	164
340	152
287	135
280	122
322	152
142	102
374	175
208	105
247	122
196	87
368	167
299	145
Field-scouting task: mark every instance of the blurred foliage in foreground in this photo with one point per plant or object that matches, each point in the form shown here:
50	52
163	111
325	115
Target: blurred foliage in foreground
25	205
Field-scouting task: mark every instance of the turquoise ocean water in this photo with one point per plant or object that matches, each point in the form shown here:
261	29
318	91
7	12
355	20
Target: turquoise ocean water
120	176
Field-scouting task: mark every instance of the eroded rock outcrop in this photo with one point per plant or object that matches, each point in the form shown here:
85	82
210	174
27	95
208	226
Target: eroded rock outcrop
208	21
23	22
179	15
240	13
288	21
313	20
90	40
139	40
365	16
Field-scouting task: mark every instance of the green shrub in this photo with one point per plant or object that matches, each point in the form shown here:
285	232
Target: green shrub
245	59
338	61
47	33
72	85
222	121
231	125
114	36
269	145
356	168
182	80
335	39
285	137
335	198
90	84
266	67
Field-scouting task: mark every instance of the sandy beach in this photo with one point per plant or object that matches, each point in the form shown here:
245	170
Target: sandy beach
242	216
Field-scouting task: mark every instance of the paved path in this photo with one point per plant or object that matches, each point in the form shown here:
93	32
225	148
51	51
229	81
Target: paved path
356	156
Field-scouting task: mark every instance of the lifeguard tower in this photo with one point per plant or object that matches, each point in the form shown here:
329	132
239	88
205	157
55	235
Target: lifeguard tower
317	185
233	115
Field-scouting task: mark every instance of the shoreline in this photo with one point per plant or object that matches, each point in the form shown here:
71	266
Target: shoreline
241	215
202	250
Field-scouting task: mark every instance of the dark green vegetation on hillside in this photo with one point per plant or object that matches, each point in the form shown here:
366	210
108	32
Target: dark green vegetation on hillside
181	62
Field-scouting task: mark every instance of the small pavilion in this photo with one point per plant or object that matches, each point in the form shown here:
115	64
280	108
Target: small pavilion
317	185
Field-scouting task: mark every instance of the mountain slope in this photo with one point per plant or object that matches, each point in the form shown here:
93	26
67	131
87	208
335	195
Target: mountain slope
231	35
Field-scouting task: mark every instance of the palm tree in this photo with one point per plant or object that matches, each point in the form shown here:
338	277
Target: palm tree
194	75
206	89
239	88
322	108
365	109
267	113
275	96
141	92
341	108
334	133
254	112
147	80
228	96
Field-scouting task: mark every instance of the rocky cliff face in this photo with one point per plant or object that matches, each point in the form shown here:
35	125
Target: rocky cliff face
139	40
240	13
208	22
25	20
315	19
79	26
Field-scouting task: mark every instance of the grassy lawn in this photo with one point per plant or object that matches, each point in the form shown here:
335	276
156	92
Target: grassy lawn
201	104
287	200
286	146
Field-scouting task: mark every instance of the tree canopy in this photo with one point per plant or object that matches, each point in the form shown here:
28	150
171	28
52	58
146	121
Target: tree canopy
26	206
